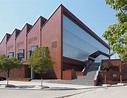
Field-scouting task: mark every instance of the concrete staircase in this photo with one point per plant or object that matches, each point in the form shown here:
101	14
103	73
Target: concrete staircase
87	79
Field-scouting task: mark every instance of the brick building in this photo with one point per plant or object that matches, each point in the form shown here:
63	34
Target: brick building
71	43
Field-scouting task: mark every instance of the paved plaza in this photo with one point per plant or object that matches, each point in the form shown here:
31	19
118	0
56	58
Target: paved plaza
55	90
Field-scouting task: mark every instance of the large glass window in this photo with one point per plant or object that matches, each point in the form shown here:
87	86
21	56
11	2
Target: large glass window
11	54
77	43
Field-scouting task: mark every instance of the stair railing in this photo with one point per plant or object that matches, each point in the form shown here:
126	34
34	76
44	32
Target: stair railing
86	66
97	72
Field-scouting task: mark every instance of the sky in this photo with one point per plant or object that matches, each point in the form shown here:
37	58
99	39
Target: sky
16	13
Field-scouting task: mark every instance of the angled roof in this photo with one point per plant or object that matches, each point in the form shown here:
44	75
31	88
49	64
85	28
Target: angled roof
42	20
66	12
16	32
28	27
7	36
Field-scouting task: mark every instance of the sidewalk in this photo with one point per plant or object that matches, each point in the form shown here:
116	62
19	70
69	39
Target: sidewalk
36	85
32	89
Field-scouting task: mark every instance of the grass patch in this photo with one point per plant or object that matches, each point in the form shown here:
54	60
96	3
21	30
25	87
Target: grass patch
19	79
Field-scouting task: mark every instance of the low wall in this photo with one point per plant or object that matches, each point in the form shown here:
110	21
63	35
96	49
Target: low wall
22	72
79	73
111	77
68	74
71	74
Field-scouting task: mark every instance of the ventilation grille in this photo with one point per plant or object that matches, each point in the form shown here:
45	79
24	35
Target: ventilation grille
54	44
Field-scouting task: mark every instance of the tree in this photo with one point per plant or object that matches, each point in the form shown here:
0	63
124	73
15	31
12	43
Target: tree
116	34
7	64
105	67
40	61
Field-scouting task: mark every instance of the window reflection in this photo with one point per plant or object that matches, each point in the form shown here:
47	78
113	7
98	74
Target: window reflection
29	53
21	55
33	48
77	43
11	54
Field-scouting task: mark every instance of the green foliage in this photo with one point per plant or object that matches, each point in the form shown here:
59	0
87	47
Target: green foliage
117	4
40	60
116	34
121	17
105	66
121	7
6	64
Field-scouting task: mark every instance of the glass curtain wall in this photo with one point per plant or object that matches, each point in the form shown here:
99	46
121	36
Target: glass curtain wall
77	43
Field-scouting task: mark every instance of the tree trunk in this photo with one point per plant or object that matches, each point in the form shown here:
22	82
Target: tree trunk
105	78
41	81
121	74
8	76
121	78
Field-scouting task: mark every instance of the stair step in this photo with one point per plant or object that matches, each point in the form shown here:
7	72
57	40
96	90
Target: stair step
88	79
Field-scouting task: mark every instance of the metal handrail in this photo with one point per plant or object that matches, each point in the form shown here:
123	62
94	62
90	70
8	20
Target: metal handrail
86	66
97	72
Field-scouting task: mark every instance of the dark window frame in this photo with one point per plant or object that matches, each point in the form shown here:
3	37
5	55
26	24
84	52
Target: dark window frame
11	54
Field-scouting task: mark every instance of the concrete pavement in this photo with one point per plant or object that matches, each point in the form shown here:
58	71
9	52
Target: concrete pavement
32	90
36	85
55	90
107	92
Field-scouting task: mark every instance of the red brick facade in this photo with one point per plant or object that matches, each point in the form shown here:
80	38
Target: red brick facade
34	35
113	75
52	38
45	33
11	46
3	44
21	40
